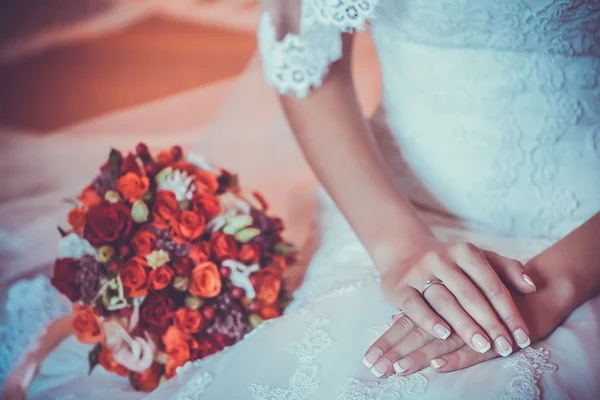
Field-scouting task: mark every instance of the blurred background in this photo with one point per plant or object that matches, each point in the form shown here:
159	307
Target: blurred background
66	61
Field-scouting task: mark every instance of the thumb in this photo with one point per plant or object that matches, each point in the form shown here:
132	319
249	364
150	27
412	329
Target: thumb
511	272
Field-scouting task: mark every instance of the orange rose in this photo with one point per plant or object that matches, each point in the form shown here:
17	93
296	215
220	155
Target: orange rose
148	380
203	181
199	252
188	226
187	320
133	277
143	243
77	220
205	280
270	312
164	158
249	253
86	326
268	282
166	208
206	204
106	360
224	246
132	186
160	278
89	197
179	347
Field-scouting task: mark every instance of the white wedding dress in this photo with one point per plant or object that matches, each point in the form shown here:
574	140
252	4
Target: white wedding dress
490	123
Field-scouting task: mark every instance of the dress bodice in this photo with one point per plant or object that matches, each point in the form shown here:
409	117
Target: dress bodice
490	109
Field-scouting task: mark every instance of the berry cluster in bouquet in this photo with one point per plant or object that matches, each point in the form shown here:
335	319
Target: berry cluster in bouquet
167	261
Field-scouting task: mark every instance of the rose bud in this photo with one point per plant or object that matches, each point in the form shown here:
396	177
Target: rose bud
139	212
237	292
246	235
141	149
151	168
124	251
113	267
253	307
255	320
105	254
176	152
193	302
181	283
208	312
225	272
112	197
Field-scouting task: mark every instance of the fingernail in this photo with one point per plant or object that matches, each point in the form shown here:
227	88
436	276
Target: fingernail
441	331
438	363
503	346
381	367
522	338
481	343
372	356
403	365
529	281
398	315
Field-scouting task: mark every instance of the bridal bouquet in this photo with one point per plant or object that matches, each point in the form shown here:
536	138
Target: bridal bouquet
167	261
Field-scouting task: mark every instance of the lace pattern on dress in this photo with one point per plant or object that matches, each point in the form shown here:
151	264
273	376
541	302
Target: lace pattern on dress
195	386
300	62
304	381
31	306
530	364
393	388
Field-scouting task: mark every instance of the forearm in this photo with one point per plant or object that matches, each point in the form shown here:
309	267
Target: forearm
336	142
570	270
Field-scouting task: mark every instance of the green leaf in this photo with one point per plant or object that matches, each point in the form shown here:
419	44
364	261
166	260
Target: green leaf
93	357
115	160
285	249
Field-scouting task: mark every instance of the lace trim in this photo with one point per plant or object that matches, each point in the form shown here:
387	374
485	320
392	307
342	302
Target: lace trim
393	388
304	381
195	386
30	307
530	364
299	63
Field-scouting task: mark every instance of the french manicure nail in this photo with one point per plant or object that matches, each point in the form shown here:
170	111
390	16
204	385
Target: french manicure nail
529	281
481	343
522	338
372	356
403	365
381	367
503	346
441	331
438	363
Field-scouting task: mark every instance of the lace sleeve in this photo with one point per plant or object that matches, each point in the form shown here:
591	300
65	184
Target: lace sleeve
297	46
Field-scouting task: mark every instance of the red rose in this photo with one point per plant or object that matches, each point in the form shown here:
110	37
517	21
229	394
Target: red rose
160	278
224	246
249	253
64	277
183	266
187	320
207	346
107	223
148	380
157	311
206	204
187	226
203	181
143	243
179	347
199	252
133	276
77	220
107	361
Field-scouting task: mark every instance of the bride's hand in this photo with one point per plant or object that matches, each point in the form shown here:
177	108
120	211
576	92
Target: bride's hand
406	348
473	300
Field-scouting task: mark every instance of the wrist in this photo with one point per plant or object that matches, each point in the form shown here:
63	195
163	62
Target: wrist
393	251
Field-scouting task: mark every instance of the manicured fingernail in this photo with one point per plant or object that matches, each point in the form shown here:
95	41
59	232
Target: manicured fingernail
398	315
381	367
403	365
529	281
441	331
503	346
372	356
522	338
481	343
438	363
